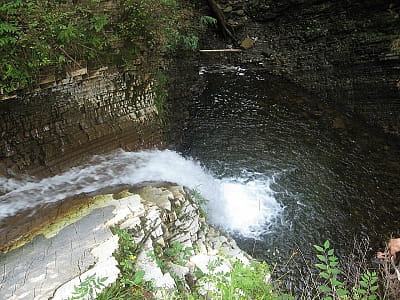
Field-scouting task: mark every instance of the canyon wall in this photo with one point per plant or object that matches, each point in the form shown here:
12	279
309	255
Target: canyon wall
90	112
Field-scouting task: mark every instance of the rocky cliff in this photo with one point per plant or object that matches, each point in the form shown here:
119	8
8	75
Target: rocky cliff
90	112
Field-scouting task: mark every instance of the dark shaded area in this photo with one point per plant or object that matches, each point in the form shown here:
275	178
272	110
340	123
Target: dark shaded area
340	51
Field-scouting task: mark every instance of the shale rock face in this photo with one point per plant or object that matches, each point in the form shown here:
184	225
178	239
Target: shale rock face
157	217
92	112
340	50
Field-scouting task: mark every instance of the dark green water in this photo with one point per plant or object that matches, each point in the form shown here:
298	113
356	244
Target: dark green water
335	178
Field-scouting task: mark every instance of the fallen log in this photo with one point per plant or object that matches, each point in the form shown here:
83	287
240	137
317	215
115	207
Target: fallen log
220	50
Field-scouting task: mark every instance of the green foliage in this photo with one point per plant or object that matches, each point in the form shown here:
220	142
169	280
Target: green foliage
38	34
207	20
333	288
130	283
88	288
190	42
242	282
178	253
198	197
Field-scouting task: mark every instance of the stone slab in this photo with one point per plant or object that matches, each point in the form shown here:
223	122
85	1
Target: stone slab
35	270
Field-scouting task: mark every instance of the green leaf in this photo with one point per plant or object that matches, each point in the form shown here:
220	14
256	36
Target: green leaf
333	263
336	282
332	258
331	251
139	277
321	266
341	292
362	291
335	271
321	257
363	284
324	288
324	275
319	248
328	298
327	244
373	288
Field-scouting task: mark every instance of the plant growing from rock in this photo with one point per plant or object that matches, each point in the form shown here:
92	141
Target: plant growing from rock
88	288
178	253
198	197
130	283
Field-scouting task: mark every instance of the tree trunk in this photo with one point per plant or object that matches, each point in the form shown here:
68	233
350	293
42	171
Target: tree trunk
225	27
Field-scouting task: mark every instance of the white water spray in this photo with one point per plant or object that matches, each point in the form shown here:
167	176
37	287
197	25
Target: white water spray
239	205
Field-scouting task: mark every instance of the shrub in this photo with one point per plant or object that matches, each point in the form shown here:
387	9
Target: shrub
365	288
38	34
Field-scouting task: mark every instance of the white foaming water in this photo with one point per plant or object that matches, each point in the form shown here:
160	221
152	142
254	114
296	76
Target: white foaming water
239	205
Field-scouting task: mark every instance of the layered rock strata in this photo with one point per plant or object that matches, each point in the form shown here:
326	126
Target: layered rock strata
63	121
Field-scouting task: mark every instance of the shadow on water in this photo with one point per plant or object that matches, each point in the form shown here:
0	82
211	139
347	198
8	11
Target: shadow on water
334	177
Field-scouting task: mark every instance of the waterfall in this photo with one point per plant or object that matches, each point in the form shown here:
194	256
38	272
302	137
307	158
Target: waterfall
243	205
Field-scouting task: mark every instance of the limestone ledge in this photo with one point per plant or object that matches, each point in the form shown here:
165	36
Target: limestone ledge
83	245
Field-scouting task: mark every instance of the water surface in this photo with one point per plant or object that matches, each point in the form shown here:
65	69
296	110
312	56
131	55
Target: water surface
333	177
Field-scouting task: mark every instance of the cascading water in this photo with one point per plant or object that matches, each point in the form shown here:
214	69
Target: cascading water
237	205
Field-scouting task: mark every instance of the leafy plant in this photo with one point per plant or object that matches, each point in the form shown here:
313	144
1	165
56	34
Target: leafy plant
365	289
207	20
190	42
38	34
130	283
198	197
88	288
178	253
242	282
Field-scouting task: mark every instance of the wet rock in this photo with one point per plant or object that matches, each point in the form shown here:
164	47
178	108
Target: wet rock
158	196
228	9
105	267
239	12
247	43
36	270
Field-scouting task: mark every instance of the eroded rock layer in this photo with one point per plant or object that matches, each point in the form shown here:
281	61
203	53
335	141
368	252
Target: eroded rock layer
82	244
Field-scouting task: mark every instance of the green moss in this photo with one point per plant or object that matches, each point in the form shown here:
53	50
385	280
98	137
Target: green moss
98	202
395	45
123	194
